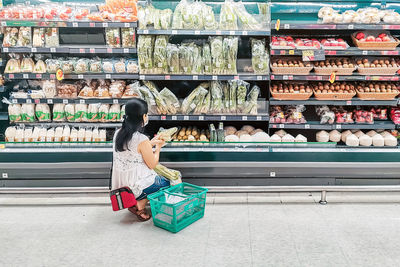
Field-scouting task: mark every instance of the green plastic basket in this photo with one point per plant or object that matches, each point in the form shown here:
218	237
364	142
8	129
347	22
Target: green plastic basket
186	205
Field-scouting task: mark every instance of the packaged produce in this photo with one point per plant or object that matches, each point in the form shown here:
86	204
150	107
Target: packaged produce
259	57
120	66
88	135
50	135
149	98
81	134
70	112
209	20
86	92
49	88
275	139
59	112
327	116
145	15
165	19
205	106
132	66
15	112
363	116
260	137
233	86
113	38
27	65
128	37
51	37
160	54
171	101
104	109
81	65
335	136
66	134
352	140
40	67
186	59
108	66
166	134
207	59
42	134
122	113
95	65
300	139
37	94
114	114
216	97
390	140
334	44
95	135
250	106
103	135
217	54
52	65
28	112
42	112
161	105
10	37
12	66
282	42
288	138
116	89
197	59
10	134
378	140
228	17
145	49
172	58
307	44
67	90
248	22
177	18
192	100
322	136
365	140
92	113
28	134
102	91
132	90
24	36
241	94
81	112
170	174
230	48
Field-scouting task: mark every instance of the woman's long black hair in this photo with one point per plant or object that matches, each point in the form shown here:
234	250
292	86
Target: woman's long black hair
133	122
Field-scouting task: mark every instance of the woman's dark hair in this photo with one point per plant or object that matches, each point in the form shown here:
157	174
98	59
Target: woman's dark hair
133	122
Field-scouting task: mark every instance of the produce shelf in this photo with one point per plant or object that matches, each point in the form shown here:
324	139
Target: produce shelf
353	102
354	77
351	51
265	32
318	25
67	24
70	50
69	101
260	117
315	125
47	76
173	77
73	124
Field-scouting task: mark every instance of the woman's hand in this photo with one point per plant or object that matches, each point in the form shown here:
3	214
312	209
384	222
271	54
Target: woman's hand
155	140
159	143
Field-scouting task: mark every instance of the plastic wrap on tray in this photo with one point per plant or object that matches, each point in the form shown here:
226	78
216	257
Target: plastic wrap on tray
24	36
67	65
128	37
95	65
186	58
51	37
228	17
173	58
120	66
113	38
132	66
230	48
52	65
10	37
108	66
81	65
160	54
259	57
67	90
217	55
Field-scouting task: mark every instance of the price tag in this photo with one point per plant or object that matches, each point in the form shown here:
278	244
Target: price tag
127	24
365	52
348	102
350	26
291	52
11	76
33	49
3	24
14	101
195	77
109	50
259	77
5	49
29	101
145	31
25	76
65	101
82	50
49	101
313	55
38	76
218	32
82	101
126	50
259	118
306	126
52	76
197	32
167	77
223	118
286	26
236	77
285	77
201	118
282	52
115	101
74	24
338	126
108	76
185	118
142	77
174	118
281	125
52	49
163	118
80	76
214	78
91	24
37	101
174	32
185	149
277	24
231	32
92	50
105	24
244	118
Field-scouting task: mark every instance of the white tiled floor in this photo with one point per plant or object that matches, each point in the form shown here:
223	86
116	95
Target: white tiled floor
238	230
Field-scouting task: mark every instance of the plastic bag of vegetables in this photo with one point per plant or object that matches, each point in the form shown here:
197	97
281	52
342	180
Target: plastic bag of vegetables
170	174
233	85
259	56
200	100
192	100
207	61
145	48
149	98
225	89
160	54
217	55
171	101
230	48
241	93
161	106
209	18
196	9
166	134
227	17
197	59
217	105
248	21
177	20
186	58
146	16
173	58
250	106
204	107
165	19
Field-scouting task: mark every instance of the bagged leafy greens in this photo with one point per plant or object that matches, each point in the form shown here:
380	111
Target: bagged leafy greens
186	58
207	61
232	96
192	100
196	9
241	93
248	21
217	105
146	16
160	54
209	18
171	101
148	96
217	55
225	89
165	19
206	105
200	100
173	58
259	56
197	59
161	106
251	103
227	17
145	53
177	20
230	47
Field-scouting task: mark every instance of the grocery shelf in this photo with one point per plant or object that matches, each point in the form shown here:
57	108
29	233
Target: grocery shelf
313	77
315	125
352	102
47	76
70	50
69	101
351	51
73	124
177	77
67	24
318	25
260	117
264	32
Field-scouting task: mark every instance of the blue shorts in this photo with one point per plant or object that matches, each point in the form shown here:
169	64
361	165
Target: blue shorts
159	182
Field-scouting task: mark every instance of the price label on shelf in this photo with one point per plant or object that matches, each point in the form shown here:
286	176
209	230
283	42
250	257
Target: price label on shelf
365	52
38	76
201	118
25	76
223	118
350	26
108	76
52	76
3	24
109	50
195	77
185	118
5	49
11	76
74	24
286	26
313	55
214	78
231	32
259	118
306	126
145	31
53	50
244	33
142	77
259	77
338	126
65	101
174	32
163	118
92	24
14	101
218	32
174	118
115	101
33	49
281	125
236	77
348	103
92	50
244	118
197	32
80	76
37	101
291	52
105	24
127	25
49	101
167	77
82	50
126	50
29	101
82	101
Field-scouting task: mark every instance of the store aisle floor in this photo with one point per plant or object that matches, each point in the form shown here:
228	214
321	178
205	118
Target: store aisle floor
238	230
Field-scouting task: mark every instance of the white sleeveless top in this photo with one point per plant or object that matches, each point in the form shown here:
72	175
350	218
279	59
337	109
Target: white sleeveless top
129	169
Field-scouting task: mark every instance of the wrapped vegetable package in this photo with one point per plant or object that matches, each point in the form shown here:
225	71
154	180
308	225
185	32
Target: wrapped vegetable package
10	37
251	103
148	96
200	101
227	17
52	65
226	102
167	173
95	65
241	94
70	112
143	17
40	67
120	66
81	111
108	66
217	55
171	101
128	37
58	112
216	97
186	58
132	66
24	36
206	105
113	38
259	57
165	19
166	134
173	58
27	65
196	10
197	60
160	54
248	21
207	61
177	19
209	18
114	114
192	100
49	88
145	53
232	96
132	90
93	113
51	37
42	112
230	48
15	112
13	66
81	65
103	112
38	37
161	106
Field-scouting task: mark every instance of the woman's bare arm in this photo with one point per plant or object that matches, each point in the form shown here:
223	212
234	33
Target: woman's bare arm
150	158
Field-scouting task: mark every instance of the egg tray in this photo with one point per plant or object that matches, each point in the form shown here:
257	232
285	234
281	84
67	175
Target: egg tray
291	70
376	45
291	96
334	96
338	71
378	71
376	96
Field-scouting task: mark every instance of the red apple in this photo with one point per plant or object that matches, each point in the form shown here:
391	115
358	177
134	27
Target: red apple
340	40
360	36
370	38
386	39
382	35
